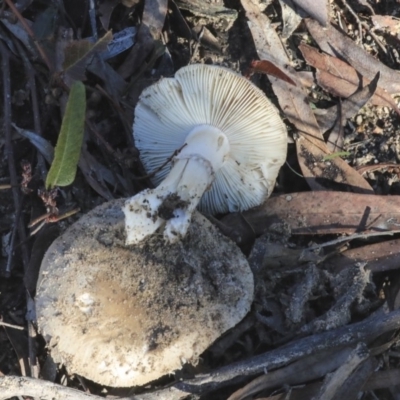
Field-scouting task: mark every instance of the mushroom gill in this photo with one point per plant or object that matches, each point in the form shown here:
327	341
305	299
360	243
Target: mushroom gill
230	140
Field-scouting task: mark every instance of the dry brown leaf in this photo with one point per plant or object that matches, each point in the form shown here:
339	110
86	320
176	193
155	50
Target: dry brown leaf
154	16
312	213
268	68
348	109
341	79
106	8
379	257
391	167
331	41
315	9
387	22
311	148
290	18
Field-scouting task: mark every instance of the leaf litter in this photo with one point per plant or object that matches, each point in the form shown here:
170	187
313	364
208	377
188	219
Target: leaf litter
324	248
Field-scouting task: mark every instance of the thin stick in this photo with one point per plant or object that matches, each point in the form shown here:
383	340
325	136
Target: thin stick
352	237
6	324
8	149
168	160
364	25
30	33
366	330
11	386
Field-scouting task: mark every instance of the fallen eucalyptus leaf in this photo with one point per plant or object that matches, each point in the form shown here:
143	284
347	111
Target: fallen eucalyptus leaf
311	147
341	79
349	108
41	144
331	41
317	213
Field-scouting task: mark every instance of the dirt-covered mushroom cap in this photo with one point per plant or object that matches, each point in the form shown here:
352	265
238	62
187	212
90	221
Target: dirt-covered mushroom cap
231	143
126	315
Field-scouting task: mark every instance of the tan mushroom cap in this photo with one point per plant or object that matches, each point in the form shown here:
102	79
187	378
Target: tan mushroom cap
126	315
211	95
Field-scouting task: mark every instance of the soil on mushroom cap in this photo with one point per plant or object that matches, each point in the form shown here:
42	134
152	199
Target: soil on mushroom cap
145	309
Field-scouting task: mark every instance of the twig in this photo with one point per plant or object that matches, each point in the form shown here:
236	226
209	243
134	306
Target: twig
366	330
12	241
364	25
8	150
11	386
336	380
197	43
352	237
20	328
30	33
167	161
294	171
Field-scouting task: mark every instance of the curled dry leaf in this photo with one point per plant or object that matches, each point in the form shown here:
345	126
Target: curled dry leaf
347	109
341	79
269	68
290	18
311	148
331	41
314	213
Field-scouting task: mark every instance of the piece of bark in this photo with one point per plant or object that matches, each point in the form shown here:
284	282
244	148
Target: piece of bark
333	42
335	382
316	213
349	335
378	257
306	369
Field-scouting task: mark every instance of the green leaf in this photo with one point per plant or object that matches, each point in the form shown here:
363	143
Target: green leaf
336	155
63	169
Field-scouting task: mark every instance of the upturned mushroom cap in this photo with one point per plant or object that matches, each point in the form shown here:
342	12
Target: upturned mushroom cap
126	315
228	143
211	95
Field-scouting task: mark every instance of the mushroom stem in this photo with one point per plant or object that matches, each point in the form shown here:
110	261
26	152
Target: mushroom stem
174	200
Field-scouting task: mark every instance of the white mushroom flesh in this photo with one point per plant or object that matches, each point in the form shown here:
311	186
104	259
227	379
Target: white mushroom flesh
174	200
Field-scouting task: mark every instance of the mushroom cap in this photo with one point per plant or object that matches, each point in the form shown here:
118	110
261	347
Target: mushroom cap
204	94
126	315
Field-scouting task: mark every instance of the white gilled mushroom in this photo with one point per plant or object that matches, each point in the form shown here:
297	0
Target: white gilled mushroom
126	315
232	140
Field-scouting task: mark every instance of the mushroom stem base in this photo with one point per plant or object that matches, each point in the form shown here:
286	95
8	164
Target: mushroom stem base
172	203
174	200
